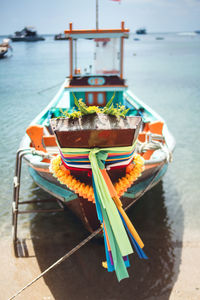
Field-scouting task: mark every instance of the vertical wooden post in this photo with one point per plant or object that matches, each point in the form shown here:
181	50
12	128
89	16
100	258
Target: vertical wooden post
71	53
122	52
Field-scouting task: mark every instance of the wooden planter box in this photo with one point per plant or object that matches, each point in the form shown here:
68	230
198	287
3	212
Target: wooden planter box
96	130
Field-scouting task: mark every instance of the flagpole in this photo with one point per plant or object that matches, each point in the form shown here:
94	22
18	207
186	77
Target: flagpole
97	15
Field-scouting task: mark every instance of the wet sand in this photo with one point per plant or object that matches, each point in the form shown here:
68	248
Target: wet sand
17	272
187	286
171	272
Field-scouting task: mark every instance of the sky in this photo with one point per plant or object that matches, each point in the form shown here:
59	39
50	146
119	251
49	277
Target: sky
53	16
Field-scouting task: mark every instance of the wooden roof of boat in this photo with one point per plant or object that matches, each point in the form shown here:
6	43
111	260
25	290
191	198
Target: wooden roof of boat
96	33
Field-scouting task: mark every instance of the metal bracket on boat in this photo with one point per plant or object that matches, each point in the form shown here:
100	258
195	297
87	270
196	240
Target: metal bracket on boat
16	183
16	188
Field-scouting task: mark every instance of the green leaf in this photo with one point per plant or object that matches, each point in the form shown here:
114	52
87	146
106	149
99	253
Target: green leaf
109	110
123	113
110	101
83	107
75	100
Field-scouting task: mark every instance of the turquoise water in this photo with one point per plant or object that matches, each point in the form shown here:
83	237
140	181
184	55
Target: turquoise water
163	73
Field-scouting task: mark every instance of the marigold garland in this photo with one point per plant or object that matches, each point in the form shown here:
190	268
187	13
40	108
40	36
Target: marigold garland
133	171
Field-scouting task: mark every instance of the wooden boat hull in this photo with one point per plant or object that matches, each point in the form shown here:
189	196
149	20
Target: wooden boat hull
3	53
4	49
27	39
84	209
104	136
154	167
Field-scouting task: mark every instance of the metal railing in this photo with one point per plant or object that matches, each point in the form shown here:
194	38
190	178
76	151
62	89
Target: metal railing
16	191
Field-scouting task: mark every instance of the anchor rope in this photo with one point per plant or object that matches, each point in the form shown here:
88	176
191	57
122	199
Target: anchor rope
152	144
68	254
81	244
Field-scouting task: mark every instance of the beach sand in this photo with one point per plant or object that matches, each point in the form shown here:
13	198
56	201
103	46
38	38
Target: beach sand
187	286
17	272
171	272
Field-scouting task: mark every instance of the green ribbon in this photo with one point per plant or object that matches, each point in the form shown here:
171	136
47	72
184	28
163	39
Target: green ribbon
88	150
118	260
96	157
101	156
118	238
109	205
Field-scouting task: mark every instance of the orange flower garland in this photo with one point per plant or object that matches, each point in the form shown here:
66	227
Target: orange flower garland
133	171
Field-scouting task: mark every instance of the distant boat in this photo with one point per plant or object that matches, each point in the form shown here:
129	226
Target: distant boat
4	47
141	31
136	39
28	34
159	38
187	33
61	37
197	31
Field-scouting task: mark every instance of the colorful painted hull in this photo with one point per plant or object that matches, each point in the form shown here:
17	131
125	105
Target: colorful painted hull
84	209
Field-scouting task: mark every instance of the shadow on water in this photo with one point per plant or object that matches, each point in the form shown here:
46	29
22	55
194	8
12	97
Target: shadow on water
82	277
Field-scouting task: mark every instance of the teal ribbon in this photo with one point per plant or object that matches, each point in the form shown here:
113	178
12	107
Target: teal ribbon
118	238
119	264
101	156
119	242
108	204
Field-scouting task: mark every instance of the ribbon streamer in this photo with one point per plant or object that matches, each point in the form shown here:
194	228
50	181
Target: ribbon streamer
110	211
119	232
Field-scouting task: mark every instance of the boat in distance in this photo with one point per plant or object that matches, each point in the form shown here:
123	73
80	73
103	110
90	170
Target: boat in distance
4	48
141	31
60	37
50	135
27	34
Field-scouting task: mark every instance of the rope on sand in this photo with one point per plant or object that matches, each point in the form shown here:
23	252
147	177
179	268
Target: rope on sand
68	254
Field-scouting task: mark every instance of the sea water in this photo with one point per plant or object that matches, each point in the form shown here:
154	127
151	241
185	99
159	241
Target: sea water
163	73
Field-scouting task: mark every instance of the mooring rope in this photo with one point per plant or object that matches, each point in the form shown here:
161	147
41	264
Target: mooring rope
85	241
68	254
49	88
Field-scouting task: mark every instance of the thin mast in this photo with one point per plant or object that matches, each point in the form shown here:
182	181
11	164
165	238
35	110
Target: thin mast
97	15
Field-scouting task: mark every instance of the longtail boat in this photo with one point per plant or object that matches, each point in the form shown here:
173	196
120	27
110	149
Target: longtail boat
96	147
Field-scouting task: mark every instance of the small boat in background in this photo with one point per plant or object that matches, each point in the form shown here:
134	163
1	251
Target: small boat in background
4	47
159	38
188	33
60	37
141	31
28	34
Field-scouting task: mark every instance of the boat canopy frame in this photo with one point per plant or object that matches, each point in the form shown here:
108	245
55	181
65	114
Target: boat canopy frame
74	34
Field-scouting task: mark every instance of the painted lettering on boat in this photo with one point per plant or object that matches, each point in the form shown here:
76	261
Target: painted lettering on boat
96	81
